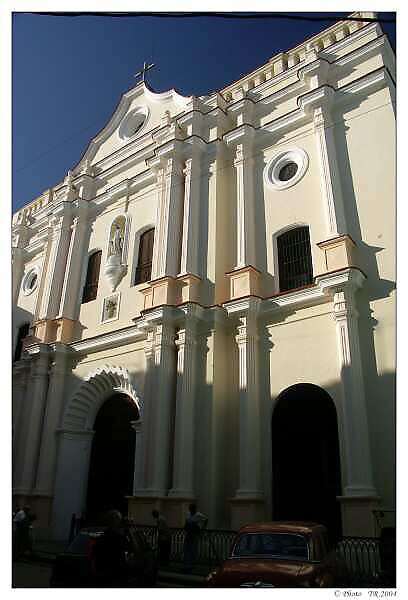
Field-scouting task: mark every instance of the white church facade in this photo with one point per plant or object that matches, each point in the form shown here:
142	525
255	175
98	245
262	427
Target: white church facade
204	309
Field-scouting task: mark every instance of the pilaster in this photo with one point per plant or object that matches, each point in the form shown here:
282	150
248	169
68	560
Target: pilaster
21	371
183	464
138	479
34	405
70	297
20	235
243	163
318	103
191	213
60	234
359	479
74	450
249	498
166	250
60	365
159	405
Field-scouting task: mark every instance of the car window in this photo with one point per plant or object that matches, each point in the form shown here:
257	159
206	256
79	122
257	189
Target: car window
282	545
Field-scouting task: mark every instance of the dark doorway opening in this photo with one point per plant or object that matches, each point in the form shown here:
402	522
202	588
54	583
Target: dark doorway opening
306	458
112	460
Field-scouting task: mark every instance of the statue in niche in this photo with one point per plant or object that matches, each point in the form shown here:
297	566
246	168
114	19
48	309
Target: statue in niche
114	269
116	238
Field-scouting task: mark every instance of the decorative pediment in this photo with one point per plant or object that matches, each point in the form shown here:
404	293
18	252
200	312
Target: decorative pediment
140	110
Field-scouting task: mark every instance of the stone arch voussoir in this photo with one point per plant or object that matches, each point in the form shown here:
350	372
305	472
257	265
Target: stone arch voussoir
96	387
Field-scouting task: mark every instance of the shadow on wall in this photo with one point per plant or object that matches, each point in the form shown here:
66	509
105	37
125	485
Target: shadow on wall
20	318
216	444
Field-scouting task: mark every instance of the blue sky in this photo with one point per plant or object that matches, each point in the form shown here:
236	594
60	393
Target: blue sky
69	74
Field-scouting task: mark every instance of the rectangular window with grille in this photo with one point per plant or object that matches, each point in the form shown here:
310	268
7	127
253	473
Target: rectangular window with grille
144	261
294	259
92	277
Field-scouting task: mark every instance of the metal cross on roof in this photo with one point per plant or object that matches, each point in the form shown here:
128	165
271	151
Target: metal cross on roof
142	72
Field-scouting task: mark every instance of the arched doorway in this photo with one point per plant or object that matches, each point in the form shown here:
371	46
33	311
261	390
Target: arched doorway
305	458
112	460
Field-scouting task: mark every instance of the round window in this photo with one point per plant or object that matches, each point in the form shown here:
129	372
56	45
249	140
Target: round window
286	168
288	171
30	281
133	123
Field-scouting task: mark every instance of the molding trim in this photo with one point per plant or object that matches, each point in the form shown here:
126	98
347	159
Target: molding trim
109	340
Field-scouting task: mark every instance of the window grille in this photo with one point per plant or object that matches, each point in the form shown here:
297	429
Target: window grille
92	277
144	262
294	259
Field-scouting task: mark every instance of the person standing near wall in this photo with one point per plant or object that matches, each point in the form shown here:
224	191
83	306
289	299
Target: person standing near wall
194	524
164	537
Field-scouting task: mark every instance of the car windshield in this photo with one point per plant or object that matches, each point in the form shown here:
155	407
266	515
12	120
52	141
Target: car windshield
276	545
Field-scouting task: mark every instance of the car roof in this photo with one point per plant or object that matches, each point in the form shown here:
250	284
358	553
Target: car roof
302	527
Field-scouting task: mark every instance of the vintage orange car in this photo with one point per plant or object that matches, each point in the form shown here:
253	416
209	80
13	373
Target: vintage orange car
280	554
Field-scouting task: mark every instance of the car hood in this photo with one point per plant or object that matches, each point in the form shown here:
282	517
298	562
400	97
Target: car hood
280	573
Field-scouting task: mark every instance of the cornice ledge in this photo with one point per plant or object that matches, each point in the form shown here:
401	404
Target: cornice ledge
137	147
320	96
35	247
291	90
240	104
108	340
366	30
319	66
301	298
173	146
195	142
193	310
379	77
37	349
243	131
241	306
113	192
358	53
155	316
285	122
331	282
59	348
141	179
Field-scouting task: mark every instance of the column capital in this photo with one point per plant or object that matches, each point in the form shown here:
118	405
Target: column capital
344	304
244	146
247	328
186	337
187	168
164	335
63	357
149	344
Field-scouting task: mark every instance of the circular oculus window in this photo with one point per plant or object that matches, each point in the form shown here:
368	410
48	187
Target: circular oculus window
286	168
133	123
30	281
